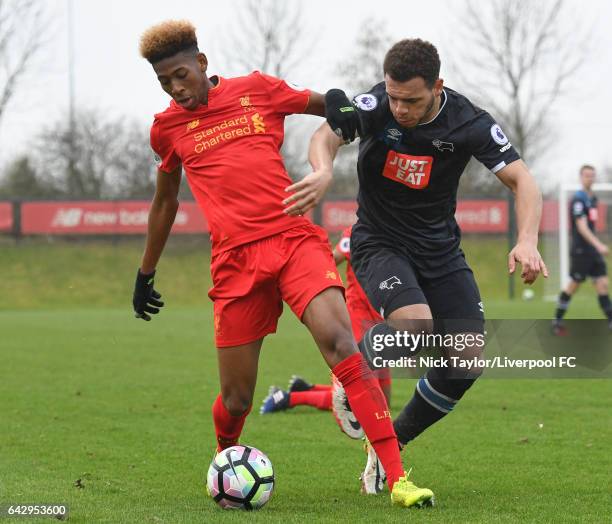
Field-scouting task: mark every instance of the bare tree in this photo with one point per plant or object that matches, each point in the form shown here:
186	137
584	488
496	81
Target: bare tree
272	37
517	59
361	71
21	180
274	40
23	26
364	68
112	157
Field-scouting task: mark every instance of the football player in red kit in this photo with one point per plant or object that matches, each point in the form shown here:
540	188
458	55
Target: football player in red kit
226	134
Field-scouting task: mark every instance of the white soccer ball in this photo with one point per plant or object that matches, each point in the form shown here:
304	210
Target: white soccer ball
528	294
240	477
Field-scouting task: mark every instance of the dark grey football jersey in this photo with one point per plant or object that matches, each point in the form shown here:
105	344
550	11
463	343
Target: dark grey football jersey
408	178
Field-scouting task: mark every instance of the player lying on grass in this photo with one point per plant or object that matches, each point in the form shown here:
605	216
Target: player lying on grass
416	138
587	252
226	134
301	393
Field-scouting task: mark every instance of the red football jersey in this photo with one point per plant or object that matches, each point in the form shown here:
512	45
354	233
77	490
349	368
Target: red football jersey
356	300
230	152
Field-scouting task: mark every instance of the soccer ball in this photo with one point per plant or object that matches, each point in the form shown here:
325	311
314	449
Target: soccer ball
528	294
240	477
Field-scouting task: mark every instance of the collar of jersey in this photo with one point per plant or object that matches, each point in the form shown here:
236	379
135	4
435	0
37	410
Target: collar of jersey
439	110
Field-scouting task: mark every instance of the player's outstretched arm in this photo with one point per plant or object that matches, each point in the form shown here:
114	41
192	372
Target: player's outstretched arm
161	217
309	191
316	104
582	226
528	208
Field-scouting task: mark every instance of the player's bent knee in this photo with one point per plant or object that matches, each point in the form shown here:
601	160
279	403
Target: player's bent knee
237	404
412	325
342	347
468	373
466	366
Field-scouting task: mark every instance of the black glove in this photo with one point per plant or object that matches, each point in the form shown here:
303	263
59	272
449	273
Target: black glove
146	299
341	115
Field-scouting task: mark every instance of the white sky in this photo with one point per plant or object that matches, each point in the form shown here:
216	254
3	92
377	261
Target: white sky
111	76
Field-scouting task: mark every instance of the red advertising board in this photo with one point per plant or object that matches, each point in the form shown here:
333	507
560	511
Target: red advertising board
6	216
130	217
92	218
478	216
337	215
482	216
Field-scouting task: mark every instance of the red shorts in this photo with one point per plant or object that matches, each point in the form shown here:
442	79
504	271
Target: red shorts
251	281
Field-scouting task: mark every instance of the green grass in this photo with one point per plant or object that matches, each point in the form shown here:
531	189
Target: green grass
91	397
38	275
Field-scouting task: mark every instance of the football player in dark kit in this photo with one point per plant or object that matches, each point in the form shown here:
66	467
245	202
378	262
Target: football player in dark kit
587	251
416	138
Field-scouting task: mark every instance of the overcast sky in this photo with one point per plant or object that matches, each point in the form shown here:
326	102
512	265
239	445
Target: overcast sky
111	76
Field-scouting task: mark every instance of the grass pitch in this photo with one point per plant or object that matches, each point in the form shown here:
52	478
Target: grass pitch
112	415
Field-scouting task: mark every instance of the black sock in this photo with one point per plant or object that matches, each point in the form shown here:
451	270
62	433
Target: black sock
562	304
434	397
604	304
415	418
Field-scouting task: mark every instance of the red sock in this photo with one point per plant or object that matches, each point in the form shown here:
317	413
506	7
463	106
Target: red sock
370	408
320	387
227	427
384	377
318	399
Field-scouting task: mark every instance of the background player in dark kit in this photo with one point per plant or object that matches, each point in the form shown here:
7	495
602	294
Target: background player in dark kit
416	139
587	251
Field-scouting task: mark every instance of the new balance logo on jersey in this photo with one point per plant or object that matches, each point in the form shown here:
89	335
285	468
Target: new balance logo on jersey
389	283
193	124
410	170
443	146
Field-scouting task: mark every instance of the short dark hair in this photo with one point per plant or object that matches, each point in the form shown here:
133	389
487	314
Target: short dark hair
586	166
168	39
411	58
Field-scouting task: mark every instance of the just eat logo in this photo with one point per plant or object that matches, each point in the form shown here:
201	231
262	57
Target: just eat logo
410	170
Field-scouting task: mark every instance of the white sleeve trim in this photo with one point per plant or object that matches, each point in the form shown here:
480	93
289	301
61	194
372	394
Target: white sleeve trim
499	166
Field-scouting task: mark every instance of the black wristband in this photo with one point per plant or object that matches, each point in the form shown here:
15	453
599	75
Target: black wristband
144	278
336	100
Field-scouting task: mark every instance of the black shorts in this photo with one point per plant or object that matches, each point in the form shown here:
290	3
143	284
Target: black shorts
587	265
390	281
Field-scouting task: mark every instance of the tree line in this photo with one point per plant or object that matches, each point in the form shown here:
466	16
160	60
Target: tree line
510	51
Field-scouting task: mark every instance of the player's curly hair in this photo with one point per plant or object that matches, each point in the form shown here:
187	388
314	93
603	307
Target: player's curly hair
167	39
411	58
